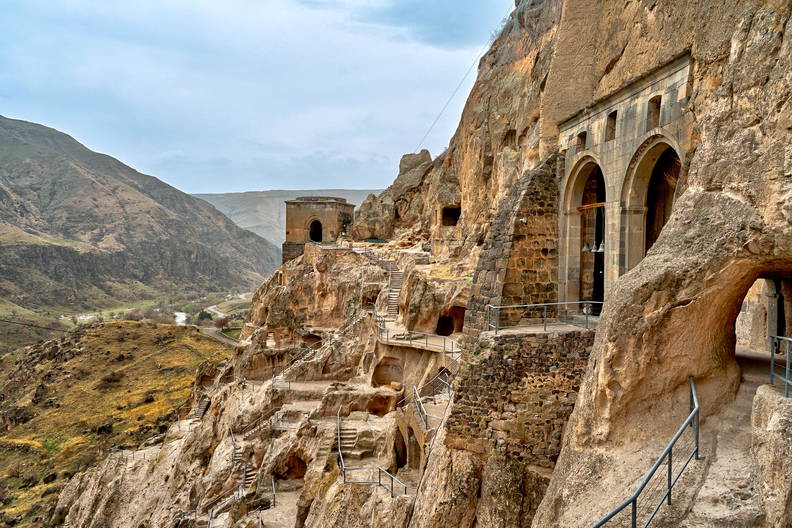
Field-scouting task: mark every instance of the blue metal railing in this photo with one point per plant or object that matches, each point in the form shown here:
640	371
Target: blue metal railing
781	346
691	423
561	310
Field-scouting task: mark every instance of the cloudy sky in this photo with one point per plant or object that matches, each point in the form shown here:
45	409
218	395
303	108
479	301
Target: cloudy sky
234	95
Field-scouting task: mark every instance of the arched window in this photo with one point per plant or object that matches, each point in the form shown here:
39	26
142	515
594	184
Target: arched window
315	231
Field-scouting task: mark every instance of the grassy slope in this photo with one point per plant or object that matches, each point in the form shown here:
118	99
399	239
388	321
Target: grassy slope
158	366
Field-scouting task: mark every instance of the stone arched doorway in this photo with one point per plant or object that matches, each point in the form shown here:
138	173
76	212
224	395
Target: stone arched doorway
648	196
315	231
585	236
400	450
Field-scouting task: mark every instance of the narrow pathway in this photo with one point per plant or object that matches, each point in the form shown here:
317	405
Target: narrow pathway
217	334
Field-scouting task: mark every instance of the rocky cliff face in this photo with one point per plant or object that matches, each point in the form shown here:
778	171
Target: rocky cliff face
497	140
509	450
79	228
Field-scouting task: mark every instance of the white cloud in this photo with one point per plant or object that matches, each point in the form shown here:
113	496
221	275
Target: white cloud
185	90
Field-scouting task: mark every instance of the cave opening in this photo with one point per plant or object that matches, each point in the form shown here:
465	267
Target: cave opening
451	215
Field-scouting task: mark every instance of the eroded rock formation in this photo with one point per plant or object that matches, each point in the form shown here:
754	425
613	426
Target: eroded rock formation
500	218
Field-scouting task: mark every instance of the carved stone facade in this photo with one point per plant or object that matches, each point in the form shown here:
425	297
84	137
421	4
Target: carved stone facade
315	219
621	140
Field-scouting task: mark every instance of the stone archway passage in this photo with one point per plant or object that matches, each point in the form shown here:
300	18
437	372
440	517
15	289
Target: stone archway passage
400	450
315	231
648	197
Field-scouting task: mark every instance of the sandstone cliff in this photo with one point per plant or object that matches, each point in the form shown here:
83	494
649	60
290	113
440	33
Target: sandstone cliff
479	224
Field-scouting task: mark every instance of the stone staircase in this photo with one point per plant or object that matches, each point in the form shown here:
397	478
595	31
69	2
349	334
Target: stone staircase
325	447
198	409
349	436
250	478
254	428
394	289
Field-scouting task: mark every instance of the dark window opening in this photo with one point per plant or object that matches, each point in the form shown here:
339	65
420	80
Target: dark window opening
653	112
315	231
581	141
451	215
610	126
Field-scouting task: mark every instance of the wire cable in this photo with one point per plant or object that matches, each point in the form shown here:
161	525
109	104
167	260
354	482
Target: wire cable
459	86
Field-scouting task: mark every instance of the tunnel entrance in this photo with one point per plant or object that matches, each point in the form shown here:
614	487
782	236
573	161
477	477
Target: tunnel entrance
315	231
311	340
445	325
295	468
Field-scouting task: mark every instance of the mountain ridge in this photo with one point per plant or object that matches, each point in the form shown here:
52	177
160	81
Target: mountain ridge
82	229
264	212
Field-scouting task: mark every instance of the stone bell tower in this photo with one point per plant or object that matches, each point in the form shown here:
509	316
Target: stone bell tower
316	219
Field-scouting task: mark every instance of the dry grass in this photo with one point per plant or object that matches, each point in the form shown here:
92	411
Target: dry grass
153	368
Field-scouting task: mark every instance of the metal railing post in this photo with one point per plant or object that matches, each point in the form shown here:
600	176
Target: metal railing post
545	318
670	461
773	345
634	513
786	375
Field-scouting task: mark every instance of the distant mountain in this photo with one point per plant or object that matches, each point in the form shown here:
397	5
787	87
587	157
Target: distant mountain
82	230
264	212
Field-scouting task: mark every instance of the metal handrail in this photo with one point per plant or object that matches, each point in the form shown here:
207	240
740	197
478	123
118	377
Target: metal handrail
490	308
449	372
692	421
344	469
775	348
384	335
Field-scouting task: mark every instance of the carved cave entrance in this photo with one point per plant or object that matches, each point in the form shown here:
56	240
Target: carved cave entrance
451	215
451	322
315	231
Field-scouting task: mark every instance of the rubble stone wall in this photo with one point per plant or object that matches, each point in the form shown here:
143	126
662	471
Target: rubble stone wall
516	397
519	263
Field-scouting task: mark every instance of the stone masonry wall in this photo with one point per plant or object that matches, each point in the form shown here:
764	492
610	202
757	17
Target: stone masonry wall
292	250
514	398
519	262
